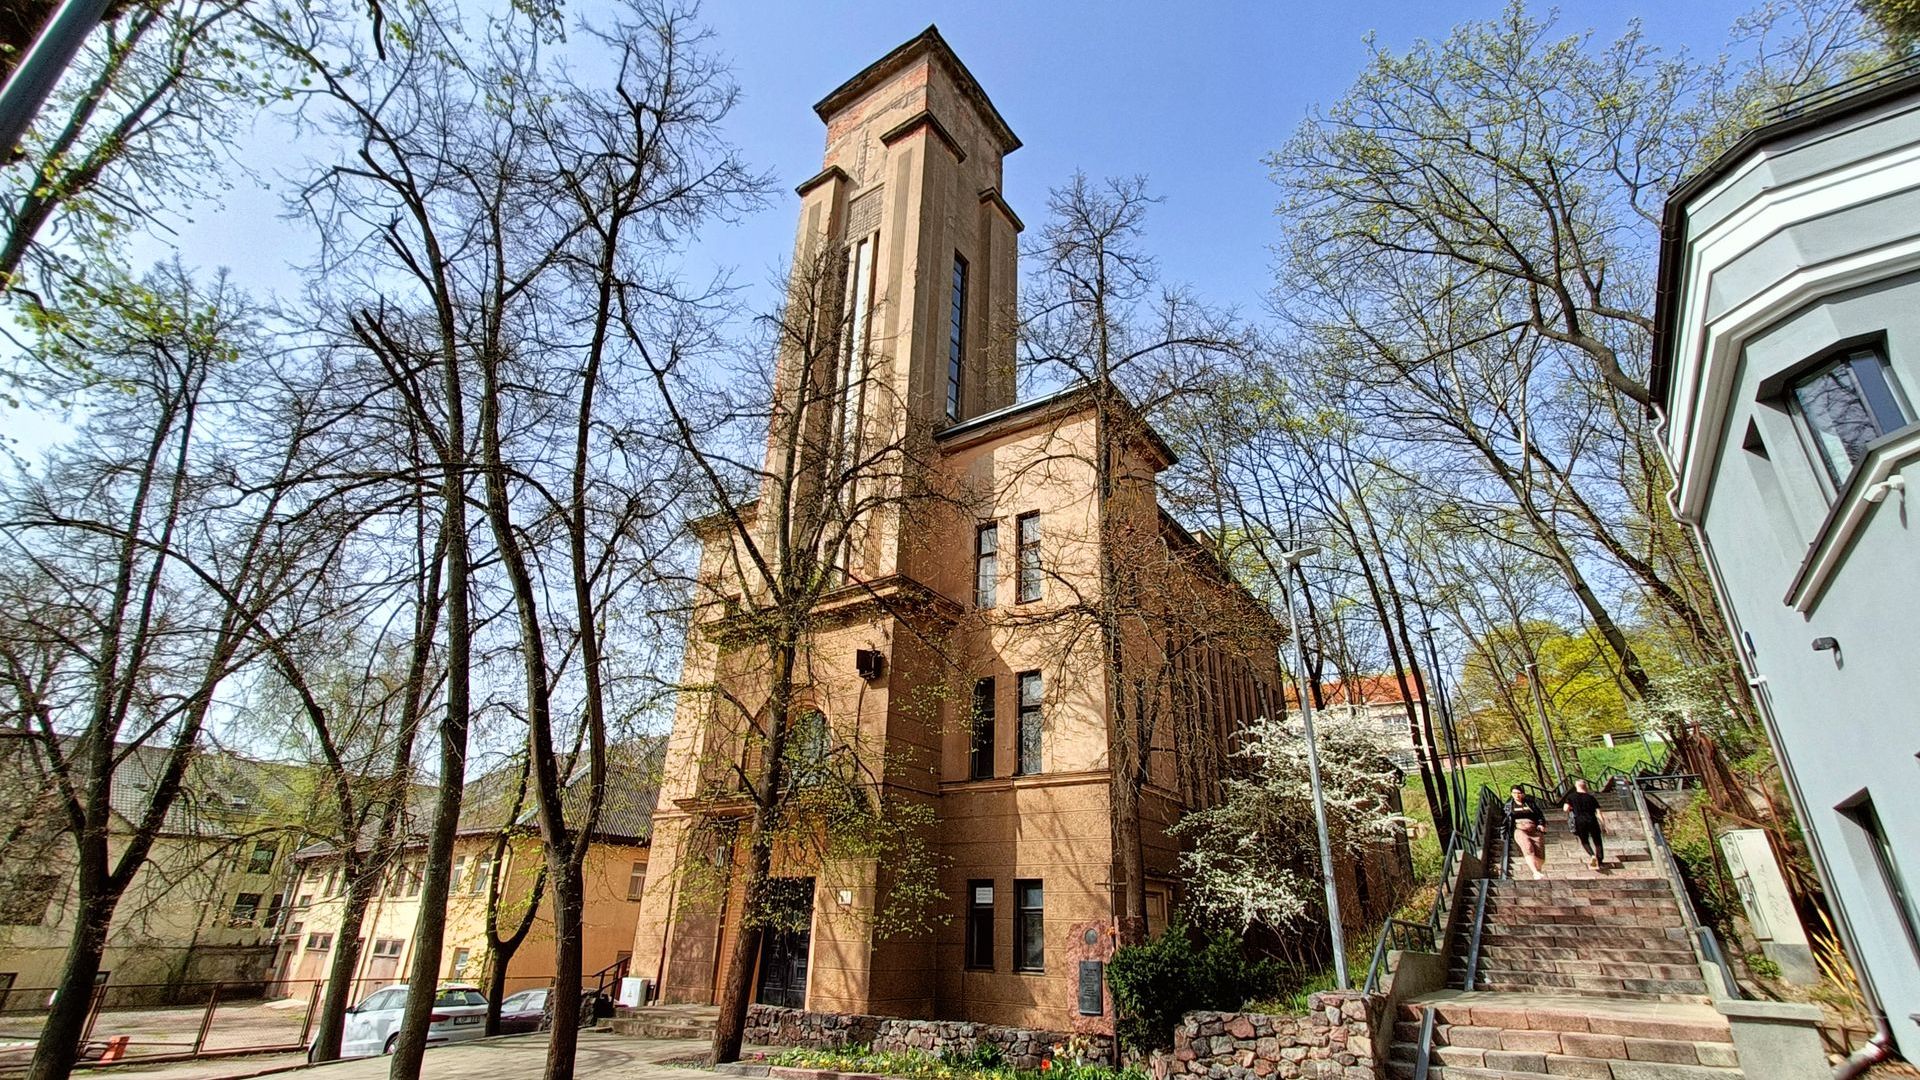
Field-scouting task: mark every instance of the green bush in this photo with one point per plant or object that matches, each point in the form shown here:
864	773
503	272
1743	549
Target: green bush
1154	984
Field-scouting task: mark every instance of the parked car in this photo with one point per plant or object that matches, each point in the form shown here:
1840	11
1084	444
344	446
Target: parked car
524	1011
372	1027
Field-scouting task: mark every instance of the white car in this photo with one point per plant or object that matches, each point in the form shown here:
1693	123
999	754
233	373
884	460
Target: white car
372	1027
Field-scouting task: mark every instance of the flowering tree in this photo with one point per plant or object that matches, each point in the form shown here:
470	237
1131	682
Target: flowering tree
1253	858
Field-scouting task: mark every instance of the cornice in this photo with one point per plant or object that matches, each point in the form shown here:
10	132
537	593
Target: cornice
924	119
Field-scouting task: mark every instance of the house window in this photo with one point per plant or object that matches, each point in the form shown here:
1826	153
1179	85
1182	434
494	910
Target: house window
980	924
333	883
246	908
1029	927
24	900
318	942
807	748
980	766
305	901
388	947
274	907
986	564
637	880
1031	692
1867	819
261	861
482	874
1845	405
956	336
458	874
459	968
1028	537
414	878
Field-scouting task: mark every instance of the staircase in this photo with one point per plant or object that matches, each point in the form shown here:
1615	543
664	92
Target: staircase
1585	973
666	1022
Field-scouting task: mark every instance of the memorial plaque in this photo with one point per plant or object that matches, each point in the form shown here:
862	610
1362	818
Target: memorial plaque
1092	978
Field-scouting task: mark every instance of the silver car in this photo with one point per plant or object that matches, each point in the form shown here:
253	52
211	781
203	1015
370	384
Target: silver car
372	1027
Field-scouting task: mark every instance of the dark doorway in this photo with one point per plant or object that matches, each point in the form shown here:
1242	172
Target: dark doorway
783	946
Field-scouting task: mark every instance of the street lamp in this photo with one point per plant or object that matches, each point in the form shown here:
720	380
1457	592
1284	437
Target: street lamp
1540	706
1292	560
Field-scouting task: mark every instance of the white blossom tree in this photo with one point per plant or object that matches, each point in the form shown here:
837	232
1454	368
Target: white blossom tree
1254	858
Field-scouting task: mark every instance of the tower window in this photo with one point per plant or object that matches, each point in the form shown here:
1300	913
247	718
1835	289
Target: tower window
1030	694
981	758
956	336
1845	405
1027	527
986	564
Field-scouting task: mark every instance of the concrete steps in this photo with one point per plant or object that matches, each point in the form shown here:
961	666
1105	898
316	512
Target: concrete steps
665	1022
1496	1037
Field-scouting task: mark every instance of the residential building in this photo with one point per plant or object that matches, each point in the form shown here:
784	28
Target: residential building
202	908
1787	362
953	648
1380	702
497	826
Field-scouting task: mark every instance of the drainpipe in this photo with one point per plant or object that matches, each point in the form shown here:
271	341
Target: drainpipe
1878	1049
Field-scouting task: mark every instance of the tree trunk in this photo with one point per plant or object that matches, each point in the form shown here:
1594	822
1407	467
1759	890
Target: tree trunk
569	912
346	957
59	1046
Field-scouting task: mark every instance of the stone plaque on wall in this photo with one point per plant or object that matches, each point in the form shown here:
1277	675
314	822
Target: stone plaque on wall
1092	981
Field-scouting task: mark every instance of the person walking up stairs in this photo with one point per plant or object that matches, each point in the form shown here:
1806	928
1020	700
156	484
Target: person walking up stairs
1588	971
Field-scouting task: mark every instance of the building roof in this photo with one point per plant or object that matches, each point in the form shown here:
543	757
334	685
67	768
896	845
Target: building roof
927	42
1813	110
1363	690
1066	401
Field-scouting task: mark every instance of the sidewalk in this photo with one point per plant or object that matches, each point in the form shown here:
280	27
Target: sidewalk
512	1057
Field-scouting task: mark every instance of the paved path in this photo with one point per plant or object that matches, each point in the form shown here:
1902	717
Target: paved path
513	1057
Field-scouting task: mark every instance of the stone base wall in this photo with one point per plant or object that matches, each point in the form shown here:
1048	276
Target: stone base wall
1334	1041
1022	1048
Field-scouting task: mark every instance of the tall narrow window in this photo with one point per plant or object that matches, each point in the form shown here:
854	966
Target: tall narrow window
986	564
1027	527
1030	694
956	336
637	881
1846	405
981	766
1867	819
1029	927
980	924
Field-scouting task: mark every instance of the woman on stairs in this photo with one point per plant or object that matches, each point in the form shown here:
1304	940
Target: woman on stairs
1585	810
1527	826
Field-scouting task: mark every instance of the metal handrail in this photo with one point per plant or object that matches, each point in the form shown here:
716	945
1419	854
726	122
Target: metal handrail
1805	103
1702	937
1423	1059
1479	927
1394	932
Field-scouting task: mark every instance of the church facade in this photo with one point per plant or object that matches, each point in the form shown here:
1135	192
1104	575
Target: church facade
957	651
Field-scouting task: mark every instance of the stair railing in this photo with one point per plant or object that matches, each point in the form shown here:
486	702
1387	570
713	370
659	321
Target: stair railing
1479	927
1403	935
1701	936
1423	1059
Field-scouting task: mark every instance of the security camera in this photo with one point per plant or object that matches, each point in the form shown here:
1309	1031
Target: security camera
1878	492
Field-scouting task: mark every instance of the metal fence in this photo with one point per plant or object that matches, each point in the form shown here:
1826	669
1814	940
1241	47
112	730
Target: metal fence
190	1020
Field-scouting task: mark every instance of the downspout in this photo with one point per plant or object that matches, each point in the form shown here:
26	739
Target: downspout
1880	1047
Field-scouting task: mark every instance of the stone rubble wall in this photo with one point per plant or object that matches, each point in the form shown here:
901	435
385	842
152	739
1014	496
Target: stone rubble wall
1333	1041
1023	1048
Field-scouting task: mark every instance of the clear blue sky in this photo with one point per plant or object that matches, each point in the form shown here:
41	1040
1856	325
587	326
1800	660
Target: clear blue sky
1190	94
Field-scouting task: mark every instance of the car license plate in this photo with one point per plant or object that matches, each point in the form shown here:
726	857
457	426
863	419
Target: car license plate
466	1019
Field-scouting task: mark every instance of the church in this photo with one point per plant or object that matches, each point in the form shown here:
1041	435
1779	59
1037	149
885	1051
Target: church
952	655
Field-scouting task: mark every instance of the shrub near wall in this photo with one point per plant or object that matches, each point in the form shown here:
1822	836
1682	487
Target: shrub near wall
1333	1041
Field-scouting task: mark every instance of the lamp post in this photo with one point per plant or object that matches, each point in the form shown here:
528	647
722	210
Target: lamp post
45	61
1540	706
1292	560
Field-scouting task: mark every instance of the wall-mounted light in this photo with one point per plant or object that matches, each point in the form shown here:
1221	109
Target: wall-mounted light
845	896
870	663
1826	644
1878	492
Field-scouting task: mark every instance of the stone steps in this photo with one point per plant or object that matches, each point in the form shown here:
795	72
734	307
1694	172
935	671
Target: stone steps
1488	1039
664	1022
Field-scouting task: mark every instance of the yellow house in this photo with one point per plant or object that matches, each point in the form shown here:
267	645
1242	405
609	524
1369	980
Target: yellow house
615	873
203	908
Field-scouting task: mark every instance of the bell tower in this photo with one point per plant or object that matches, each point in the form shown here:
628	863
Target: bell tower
908	250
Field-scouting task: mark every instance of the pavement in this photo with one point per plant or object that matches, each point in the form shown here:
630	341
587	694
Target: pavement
602	1056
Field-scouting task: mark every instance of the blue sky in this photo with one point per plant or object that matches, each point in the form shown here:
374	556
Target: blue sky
1191	95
